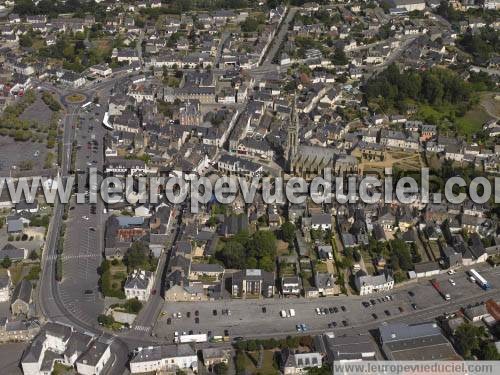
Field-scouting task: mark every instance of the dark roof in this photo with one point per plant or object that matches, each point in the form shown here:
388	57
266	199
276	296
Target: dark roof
22	291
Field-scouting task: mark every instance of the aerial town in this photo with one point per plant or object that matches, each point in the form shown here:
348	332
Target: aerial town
283	90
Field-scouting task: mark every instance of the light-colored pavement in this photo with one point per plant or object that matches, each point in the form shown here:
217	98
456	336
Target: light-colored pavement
246	315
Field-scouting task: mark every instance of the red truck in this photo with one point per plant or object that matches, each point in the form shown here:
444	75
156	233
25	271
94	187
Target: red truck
436	286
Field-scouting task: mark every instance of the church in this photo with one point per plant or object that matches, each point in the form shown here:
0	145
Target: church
309	161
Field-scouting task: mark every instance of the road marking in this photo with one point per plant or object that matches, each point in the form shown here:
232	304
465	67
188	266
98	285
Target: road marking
142	328
79	256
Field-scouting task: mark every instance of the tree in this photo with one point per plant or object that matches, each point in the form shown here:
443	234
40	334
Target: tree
288	232
133	306
33	255
468	339
137	256
339	57
220	368
6	262
105	320
239	362
25	41
232	255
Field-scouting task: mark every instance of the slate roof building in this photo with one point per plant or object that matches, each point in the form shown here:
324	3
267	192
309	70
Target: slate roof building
252	283
404	342
164	358
21	298
139	285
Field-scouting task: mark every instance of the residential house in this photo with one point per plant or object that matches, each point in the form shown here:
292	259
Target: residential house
164	358
293	363
367	284
252	283
21	298
139	284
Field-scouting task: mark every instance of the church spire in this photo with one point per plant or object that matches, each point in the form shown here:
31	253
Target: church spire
293	135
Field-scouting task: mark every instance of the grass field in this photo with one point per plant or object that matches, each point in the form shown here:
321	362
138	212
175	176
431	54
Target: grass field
472	122
446	118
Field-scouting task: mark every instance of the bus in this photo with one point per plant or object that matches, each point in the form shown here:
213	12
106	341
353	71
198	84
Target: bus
483	283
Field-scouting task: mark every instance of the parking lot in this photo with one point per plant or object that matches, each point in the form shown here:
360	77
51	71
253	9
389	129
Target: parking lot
245	315
11	158
84	230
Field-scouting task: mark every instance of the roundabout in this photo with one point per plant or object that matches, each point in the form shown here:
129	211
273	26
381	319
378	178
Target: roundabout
75	98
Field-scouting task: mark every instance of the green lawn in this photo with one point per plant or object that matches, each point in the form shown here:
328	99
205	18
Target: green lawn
446	118
472	122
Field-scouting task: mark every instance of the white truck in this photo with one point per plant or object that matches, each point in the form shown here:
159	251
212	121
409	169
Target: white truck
202	337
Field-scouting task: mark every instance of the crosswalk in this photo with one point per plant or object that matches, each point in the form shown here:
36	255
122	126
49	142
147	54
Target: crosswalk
142	328
79	256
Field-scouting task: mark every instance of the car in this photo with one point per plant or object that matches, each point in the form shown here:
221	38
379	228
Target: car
451	272
375	316
197	320
411	294
88	291
452	282
169	321
85	218
345	323
176	334
400	309
379	300
188	314
209	334
153	292
331	310
335	309
365	304
387	312
92	229
414	306
326	311
472	279
305	328
191	332
298	327
179	315
226	332
334	324
228	312
214	312
343	308
238	338
372	301
318	311
264	310
196	313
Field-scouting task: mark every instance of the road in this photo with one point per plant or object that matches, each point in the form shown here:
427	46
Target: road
279	37
247	315
395	54
53	300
